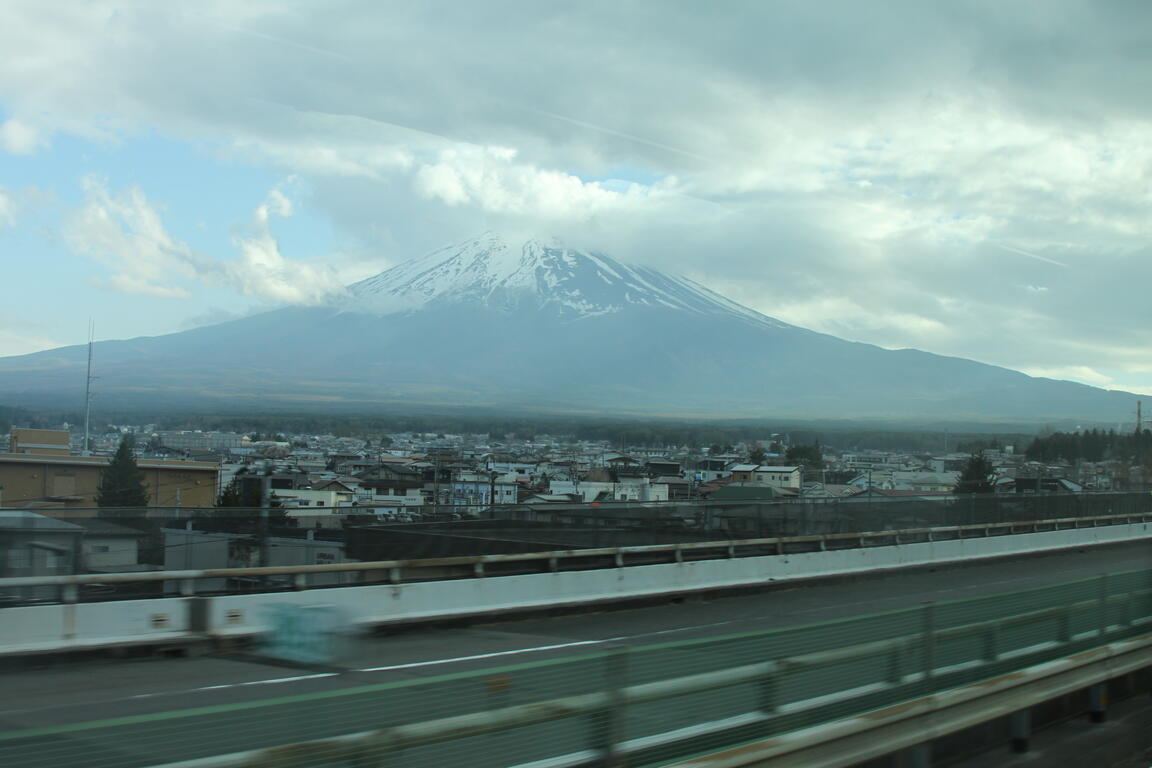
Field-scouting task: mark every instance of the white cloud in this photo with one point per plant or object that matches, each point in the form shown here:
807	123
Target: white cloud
264	272
7	209
125	233
19	138
492	180
988	201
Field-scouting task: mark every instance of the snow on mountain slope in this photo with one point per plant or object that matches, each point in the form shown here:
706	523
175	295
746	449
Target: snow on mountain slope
537	275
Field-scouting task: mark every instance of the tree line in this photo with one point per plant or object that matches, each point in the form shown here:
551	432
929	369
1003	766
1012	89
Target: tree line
1092	445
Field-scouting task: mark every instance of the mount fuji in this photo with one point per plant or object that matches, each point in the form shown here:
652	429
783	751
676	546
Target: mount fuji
537	325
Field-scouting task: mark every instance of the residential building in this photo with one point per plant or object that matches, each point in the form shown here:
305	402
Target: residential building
479	490
110	547
779	477
32	544
624	489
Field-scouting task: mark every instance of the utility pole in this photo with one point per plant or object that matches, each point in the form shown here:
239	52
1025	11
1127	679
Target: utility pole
86	450
492	494
265	501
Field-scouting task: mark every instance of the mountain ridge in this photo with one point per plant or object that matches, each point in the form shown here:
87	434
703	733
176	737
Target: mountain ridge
537	324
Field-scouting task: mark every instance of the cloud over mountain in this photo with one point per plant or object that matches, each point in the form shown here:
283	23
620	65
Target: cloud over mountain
967	177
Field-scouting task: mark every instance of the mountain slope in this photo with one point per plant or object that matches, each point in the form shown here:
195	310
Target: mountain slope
540	326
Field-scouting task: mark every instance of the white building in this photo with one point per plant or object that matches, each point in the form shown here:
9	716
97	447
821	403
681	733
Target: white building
627	489
763	474
480	490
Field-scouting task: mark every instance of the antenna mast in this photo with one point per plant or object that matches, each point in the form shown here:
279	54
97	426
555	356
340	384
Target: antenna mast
88	392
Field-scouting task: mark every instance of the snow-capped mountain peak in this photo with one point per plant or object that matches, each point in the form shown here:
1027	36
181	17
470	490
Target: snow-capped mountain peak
537	274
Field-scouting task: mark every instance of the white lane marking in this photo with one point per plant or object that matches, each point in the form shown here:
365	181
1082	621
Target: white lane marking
492	655
290	679
269	681
558	646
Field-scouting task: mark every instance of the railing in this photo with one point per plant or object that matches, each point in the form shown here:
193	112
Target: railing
657	704
187	582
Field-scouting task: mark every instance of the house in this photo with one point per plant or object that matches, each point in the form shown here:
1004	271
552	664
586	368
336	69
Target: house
662	467
780	477
110	547
188	548
32	544
480	490
1034	485
712	468
297	498
924	481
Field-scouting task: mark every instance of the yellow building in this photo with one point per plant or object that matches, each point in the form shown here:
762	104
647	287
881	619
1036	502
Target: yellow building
45	442
38	471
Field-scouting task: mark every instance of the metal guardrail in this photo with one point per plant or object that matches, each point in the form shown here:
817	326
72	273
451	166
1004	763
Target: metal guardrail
1057	649
478	566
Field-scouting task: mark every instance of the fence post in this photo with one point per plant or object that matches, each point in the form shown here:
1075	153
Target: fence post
928	639
1021	725
919	756
992	641
608	730
895	667
1098	702
1102	595
1066	624
769	699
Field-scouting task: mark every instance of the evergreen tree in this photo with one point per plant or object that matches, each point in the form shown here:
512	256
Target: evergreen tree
122	481
977	476
811	456
231	496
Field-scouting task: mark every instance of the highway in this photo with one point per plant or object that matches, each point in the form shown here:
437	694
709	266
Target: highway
56	714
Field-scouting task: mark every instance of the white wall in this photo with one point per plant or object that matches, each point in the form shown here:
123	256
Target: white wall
628	489
108	552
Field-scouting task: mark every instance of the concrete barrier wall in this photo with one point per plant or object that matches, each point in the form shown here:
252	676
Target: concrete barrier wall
376	605
80	625
52	627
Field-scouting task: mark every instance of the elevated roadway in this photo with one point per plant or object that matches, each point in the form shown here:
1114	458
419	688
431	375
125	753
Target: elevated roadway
57	714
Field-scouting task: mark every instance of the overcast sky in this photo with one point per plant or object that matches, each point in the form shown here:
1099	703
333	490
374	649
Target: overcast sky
967	178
